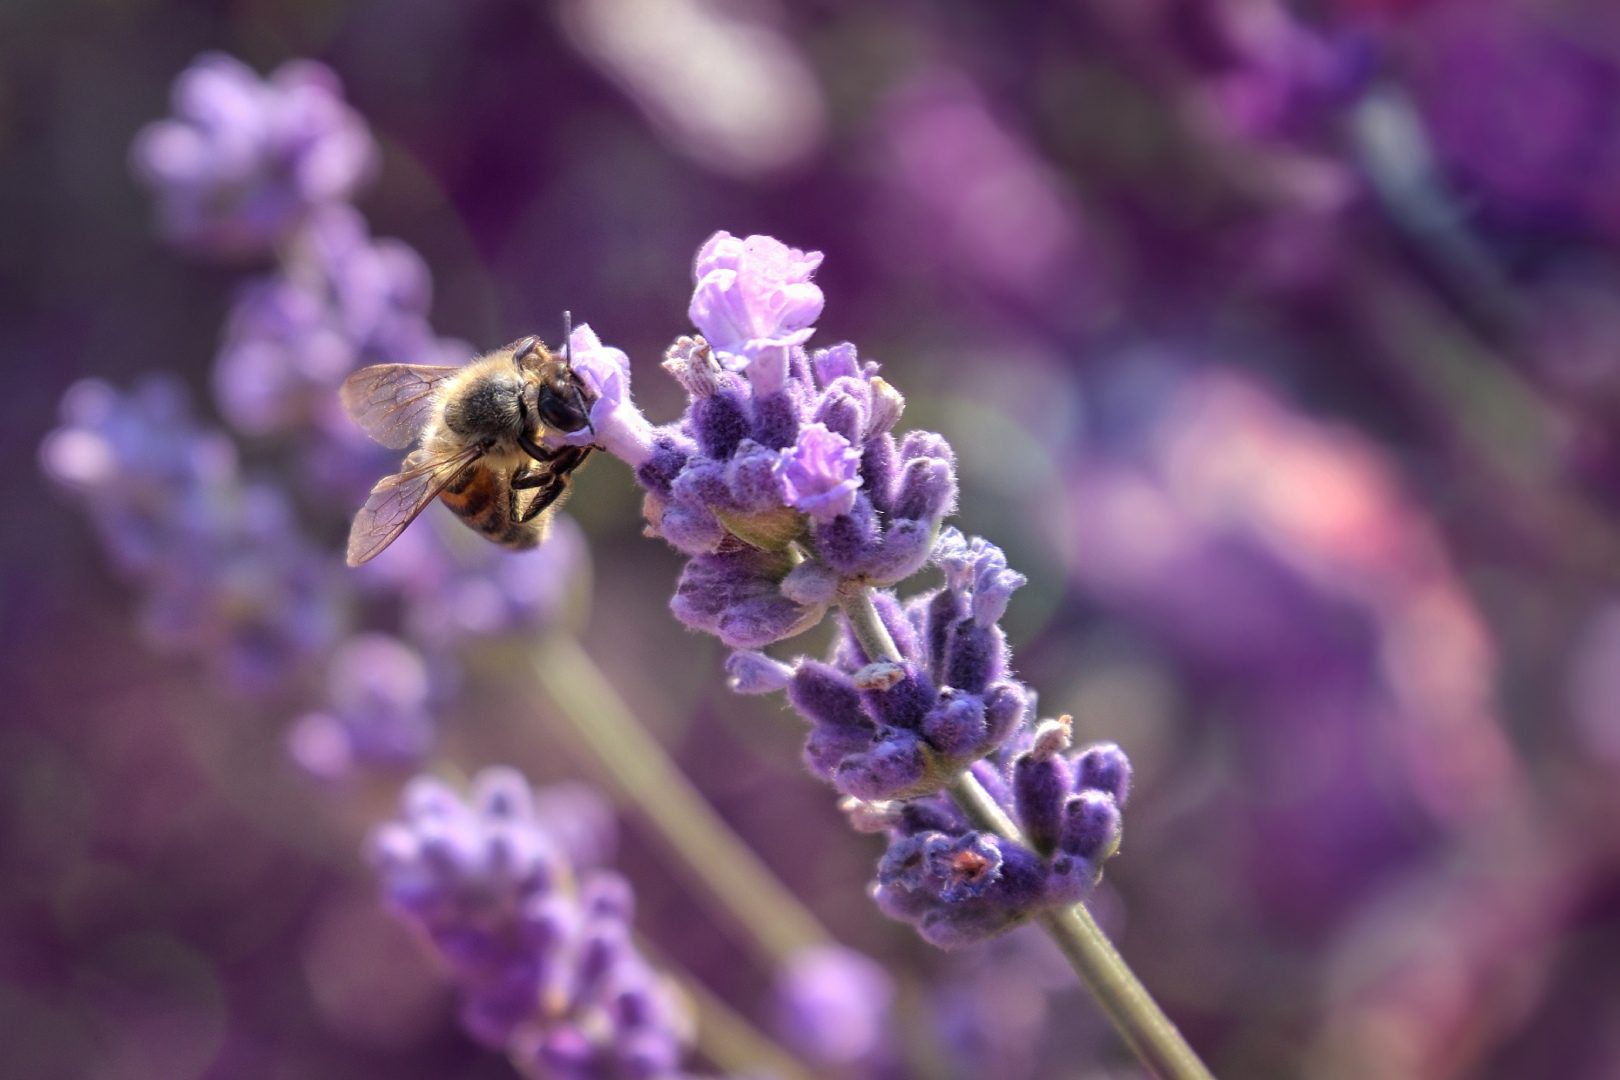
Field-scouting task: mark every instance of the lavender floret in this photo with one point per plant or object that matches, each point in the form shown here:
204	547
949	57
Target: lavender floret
820	474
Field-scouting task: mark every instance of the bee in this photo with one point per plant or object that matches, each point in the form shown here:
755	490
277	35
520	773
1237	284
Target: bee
478	432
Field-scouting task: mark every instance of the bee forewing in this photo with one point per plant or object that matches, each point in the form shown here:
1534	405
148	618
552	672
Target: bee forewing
397	499
393	402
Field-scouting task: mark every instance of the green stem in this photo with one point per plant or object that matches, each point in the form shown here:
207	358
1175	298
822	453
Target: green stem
707	851
1132	1010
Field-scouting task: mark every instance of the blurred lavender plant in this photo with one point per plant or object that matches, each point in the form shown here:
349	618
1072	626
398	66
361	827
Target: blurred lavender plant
337	300
1479	69
231	574
377	709
225	572
788	492
245	160
535	935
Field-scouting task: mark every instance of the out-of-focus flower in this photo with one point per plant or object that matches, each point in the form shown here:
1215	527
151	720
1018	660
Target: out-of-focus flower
139	464
377	710
247	593
1262	71
338	300
1278	562
1522	110
1427	981
730	90
1594	687
244	160
964	187
993	1007
227	576
458	587
832	1006
539	949
1261	92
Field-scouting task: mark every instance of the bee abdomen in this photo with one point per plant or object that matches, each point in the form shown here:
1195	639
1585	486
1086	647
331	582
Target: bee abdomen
482	498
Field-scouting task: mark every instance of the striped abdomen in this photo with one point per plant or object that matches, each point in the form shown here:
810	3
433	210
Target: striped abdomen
483	498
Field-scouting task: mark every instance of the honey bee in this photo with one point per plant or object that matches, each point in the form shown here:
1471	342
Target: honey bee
477	430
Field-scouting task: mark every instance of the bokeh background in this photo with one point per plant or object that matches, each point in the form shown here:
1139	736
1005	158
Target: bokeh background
1280	347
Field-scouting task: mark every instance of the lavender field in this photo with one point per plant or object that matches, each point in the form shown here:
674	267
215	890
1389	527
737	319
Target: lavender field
1117	470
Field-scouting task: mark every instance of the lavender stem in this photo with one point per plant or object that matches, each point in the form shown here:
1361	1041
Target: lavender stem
641	773
1135	1015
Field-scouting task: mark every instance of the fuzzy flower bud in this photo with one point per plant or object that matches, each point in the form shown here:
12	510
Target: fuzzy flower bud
978	570
752	672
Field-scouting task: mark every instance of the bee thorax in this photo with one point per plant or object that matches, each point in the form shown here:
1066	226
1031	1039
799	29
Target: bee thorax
487	407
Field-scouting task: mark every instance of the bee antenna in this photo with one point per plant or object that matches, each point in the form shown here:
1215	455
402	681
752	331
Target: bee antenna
524	348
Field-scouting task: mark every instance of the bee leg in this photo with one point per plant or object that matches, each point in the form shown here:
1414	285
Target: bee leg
564	459
549	488
551	481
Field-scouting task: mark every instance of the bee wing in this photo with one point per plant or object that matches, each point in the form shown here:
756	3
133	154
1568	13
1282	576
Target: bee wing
397	499
392	402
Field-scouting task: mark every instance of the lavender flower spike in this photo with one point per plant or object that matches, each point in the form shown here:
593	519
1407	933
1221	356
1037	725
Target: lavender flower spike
786	489
785	486
225	575
539	948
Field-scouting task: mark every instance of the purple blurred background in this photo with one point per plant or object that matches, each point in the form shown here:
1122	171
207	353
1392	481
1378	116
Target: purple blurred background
1279	348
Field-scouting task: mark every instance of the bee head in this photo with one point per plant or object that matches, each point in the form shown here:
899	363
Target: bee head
560	400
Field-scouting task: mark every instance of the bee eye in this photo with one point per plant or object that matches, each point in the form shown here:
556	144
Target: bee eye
559	412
